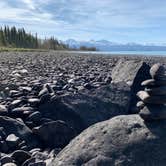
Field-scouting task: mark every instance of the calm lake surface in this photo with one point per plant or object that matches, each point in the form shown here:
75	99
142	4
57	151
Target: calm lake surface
150	53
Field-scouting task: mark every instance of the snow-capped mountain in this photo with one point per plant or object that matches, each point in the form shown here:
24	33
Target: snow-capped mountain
104	45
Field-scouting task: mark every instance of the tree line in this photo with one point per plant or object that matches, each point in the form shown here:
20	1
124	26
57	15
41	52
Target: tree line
18	38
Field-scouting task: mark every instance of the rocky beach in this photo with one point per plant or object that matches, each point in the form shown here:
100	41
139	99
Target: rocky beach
62	108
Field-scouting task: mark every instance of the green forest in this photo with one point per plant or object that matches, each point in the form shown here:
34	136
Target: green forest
18	38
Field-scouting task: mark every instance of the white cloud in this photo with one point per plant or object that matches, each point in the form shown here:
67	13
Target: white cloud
30	4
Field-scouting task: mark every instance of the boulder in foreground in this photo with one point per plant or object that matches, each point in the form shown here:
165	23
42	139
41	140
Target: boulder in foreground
123	140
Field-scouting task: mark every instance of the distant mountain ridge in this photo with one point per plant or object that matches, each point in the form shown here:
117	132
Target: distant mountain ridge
104	45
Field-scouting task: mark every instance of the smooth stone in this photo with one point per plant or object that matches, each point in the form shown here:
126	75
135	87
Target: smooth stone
5	159
12	141
43	92
35	116
35	150
20	156
9	164
15	103
153	112
3	110
21	111
88	86
34	102
145	97
153	83
157	71
156	91
29	161
140	104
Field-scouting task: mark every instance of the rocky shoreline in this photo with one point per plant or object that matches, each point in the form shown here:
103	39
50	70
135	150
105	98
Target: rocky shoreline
48	98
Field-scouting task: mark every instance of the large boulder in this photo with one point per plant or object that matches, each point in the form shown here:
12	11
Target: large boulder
19	129
91	106
122	140
132	72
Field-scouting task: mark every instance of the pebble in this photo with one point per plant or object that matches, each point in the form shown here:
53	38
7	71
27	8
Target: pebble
6	159
35	116
12	141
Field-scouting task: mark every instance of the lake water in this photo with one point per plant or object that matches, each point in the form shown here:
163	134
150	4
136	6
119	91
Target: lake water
152	53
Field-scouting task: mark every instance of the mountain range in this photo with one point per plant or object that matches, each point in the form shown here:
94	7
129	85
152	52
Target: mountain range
104	45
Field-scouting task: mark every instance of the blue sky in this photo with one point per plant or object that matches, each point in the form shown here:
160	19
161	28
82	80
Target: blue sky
141	21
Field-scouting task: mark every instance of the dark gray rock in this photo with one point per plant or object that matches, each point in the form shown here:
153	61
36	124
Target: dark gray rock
132	72
21	112
20	156
3	110
34	102
122	140
54	134
156	91
88	107
6	159
4	147
146	98
153	83
29	161
15	103
35	116
39	163
153	112
12	126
